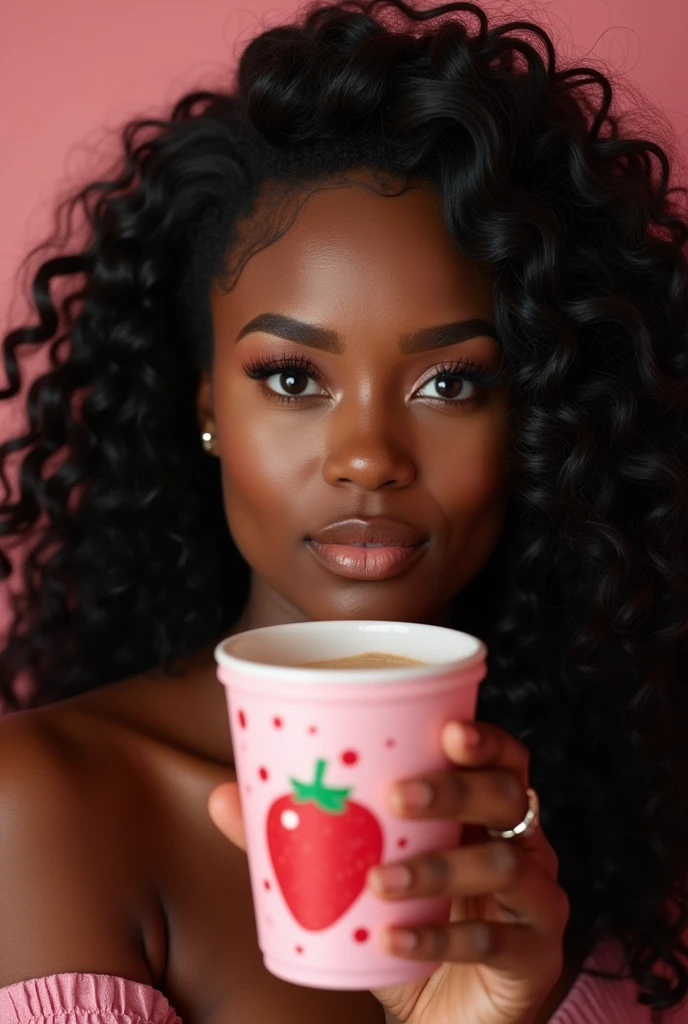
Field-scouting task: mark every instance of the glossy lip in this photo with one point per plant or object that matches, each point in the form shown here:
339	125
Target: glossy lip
372	549
381	530
359	563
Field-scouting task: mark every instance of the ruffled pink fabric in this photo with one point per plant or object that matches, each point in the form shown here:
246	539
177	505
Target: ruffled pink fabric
593	1000
84	999
106	999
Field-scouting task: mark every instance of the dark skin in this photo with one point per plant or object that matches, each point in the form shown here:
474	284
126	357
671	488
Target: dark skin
387	428
370	269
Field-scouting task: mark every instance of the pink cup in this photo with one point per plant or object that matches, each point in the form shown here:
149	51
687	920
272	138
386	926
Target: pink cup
316	751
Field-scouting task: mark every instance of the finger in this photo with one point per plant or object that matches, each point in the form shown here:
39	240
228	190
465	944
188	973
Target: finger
490	797
476	744
224	808
510	948
521	887
480	798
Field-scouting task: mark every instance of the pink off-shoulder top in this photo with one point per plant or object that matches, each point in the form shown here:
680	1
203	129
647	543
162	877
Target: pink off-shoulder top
106	999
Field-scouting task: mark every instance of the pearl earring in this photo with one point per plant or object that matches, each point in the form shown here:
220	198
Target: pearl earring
208	440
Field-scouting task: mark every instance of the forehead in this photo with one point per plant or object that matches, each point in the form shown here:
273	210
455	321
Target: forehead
346	239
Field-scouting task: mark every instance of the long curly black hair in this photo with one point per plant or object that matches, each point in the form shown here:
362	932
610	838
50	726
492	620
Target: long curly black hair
125	551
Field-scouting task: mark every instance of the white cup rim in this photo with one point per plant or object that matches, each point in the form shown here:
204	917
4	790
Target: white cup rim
251	667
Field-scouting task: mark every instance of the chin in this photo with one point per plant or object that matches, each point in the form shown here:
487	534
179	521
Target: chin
356	605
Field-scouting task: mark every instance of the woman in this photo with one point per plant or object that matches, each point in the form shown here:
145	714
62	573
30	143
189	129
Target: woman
407	283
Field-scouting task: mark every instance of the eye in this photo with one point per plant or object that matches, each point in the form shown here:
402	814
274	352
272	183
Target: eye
286	379
293	384
450	387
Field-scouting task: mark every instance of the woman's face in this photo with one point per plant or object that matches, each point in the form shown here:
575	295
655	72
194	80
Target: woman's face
361	414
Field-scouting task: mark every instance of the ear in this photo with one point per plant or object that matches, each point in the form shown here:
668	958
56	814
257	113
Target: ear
204	403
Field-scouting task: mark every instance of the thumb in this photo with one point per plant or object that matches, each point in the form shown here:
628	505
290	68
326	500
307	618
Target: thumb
224	808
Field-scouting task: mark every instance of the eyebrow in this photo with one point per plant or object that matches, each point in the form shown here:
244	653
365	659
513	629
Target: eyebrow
426	338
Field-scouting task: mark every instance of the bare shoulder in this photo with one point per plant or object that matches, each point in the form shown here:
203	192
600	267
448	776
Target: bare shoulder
71	890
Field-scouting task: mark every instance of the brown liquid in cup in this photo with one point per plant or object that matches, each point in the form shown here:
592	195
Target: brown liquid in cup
369	659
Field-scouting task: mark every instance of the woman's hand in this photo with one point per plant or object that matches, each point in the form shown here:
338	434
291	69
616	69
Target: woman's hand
501	952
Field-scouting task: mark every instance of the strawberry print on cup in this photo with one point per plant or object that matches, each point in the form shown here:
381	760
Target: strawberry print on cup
321	844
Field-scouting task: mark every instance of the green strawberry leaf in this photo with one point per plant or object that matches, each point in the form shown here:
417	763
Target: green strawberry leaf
332	801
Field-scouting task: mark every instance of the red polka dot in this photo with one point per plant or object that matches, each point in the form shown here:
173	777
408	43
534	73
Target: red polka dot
242	719
402	842
391	743
266	884
263	772
349	757
299	949
278	723
312	729
361	935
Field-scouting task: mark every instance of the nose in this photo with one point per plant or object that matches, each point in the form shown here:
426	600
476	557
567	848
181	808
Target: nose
369	454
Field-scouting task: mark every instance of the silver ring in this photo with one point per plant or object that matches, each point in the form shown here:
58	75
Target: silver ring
526	827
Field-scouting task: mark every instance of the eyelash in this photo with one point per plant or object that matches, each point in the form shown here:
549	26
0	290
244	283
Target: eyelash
262	369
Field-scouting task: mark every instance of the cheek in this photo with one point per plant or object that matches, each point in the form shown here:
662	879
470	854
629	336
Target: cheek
474	507
476	480
263	467
479	480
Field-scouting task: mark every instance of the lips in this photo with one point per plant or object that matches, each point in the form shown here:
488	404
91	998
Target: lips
368	549
378	530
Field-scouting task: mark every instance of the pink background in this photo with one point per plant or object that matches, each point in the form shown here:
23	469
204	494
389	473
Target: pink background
74	70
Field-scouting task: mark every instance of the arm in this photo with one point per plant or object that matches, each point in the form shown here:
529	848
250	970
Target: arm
60	905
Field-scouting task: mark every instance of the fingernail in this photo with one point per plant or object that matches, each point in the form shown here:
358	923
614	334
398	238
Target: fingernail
412	796
463	733
392	878
401	941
